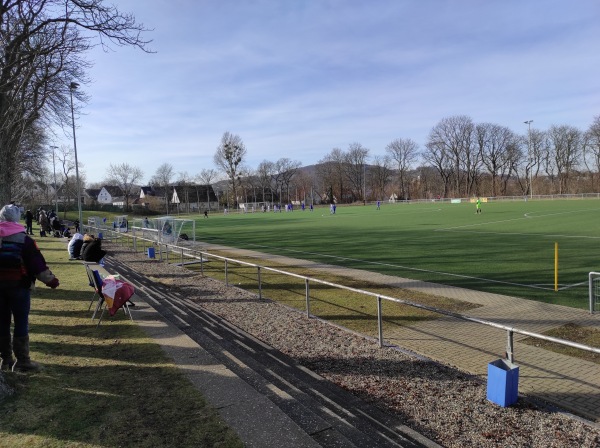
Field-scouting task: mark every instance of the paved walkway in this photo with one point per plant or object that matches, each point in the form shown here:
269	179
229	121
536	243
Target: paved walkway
264	396
568	382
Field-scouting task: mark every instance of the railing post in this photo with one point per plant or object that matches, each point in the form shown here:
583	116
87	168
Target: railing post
591	293
593	290
307	298
259	284
182	257
510	347
135	244
379	322
226	277
201	265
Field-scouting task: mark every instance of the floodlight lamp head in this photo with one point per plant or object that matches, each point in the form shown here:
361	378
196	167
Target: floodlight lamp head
73	85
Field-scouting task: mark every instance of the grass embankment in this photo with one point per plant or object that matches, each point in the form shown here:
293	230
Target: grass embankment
106	386
573	333
352	310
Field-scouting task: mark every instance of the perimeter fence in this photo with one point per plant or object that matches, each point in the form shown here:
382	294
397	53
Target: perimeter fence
186	253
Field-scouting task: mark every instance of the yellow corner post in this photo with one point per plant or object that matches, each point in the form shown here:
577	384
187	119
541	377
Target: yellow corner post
556	266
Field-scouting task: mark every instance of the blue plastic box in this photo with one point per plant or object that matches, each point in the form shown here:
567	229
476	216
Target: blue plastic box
151	252
503	382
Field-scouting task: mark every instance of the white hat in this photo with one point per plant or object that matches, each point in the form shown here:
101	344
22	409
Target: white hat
10	213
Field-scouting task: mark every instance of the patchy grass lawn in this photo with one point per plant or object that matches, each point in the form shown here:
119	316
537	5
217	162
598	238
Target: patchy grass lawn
108	386
573	333
352	310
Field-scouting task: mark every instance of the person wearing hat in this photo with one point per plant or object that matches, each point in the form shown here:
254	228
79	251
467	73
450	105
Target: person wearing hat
21	263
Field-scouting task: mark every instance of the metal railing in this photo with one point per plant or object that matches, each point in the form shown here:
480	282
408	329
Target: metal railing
594	291
203	256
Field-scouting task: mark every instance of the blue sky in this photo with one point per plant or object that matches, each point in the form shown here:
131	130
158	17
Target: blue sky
296	78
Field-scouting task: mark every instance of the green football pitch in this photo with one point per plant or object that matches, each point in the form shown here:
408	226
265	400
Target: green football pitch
510	248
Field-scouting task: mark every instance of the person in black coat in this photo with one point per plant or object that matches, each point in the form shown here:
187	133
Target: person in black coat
29	222
91	250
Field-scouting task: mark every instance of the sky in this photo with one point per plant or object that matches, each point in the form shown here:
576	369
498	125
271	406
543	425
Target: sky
297	78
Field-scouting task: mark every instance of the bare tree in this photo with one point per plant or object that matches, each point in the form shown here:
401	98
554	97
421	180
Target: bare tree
284	171
438	155
265	172
184	185
565	148
404	152
206	177
162	179
493	142
43	44
331	175
537	154
304	182
380	175
355	165
453	137
230	157
514	158
30	165
126	177
66	160
591	149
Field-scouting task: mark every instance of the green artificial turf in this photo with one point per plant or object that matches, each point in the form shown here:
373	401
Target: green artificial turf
507	249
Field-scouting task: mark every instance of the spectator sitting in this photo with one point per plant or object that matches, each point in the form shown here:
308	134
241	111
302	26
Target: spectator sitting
91	250
56	227
74	246
87	239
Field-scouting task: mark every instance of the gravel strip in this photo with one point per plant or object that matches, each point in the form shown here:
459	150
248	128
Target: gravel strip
442	403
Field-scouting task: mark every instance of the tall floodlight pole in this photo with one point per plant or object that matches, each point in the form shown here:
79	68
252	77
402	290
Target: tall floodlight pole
55	185
528	123
72	87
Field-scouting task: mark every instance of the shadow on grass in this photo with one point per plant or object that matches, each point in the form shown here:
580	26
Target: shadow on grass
116	405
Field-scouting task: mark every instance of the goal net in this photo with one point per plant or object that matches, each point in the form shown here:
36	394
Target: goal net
253	207
164	229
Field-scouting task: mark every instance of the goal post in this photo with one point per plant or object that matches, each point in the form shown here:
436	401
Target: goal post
165	229
252	207
594	287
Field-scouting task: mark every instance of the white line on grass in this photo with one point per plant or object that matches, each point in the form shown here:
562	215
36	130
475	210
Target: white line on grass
525	216
524	234
377	263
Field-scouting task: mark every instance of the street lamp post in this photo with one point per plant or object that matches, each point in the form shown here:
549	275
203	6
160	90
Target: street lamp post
528	123
55	186
72	87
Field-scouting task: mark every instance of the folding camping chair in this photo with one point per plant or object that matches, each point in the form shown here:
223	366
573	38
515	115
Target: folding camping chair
97	280
90	275
102	302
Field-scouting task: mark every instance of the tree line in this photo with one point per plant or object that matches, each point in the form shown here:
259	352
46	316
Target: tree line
460	158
